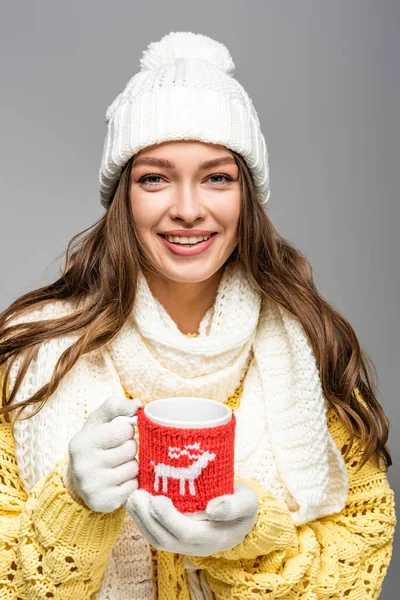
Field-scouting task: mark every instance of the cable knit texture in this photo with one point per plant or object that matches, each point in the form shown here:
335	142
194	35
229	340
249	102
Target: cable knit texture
50	546
50	542
282	439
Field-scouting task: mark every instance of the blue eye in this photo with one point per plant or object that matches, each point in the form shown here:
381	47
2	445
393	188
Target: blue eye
143	179
226	177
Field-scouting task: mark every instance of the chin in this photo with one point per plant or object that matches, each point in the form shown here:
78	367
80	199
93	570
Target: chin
187	274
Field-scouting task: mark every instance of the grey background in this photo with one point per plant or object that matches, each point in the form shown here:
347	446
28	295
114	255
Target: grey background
324	77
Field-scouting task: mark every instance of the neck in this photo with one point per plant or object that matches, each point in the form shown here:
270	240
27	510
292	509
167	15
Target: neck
185	302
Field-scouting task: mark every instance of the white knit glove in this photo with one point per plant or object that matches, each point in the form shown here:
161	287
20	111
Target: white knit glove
102	469
229	519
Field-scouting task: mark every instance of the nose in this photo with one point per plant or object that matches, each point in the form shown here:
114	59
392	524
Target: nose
187	205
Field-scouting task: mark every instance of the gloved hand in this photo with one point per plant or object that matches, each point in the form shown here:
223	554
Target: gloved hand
229	519
102	468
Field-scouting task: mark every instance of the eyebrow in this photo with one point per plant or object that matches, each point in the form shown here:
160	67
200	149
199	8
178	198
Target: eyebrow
164	163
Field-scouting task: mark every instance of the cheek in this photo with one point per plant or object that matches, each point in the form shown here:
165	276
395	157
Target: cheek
232	213
144	215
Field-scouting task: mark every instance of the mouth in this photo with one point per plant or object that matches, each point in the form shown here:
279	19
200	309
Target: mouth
188	249
193	244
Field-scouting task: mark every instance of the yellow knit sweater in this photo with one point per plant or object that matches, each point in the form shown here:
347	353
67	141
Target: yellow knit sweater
52	546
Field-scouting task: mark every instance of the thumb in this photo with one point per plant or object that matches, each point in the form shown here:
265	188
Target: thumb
114	406
125	419
242	503
218	509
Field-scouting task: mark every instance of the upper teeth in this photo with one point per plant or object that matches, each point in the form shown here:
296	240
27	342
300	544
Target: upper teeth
180	239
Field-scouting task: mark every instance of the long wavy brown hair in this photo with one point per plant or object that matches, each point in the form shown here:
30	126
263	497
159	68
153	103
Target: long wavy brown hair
100	275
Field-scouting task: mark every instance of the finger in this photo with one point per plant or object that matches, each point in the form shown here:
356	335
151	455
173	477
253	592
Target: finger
113	407
115	433
179	525
139	502
116	496
124	490
113	457
243	503
150	538
122	473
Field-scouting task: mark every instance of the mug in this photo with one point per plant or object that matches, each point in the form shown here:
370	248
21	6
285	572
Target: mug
186	451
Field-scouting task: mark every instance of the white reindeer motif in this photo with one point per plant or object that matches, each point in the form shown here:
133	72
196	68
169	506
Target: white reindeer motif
182	473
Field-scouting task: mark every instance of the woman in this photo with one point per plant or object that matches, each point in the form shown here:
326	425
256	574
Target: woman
235	317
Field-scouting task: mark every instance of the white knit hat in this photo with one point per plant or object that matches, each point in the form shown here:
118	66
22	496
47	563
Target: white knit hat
183	91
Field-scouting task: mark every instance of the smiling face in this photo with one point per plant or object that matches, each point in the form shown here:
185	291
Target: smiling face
183	192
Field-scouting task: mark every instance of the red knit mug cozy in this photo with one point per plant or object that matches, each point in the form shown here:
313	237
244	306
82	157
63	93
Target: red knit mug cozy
188	465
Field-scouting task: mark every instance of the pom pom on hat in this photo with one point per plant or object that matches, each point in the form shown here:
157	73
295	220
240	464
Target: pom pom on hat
185	44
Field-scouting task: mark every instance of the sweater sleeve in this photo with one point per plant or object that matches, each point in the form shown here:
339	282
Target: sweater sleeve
51	545
343	555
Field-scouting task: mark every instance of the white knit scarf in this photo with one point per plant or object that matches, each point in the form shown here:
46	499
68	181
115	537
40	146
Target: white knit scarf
282	439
